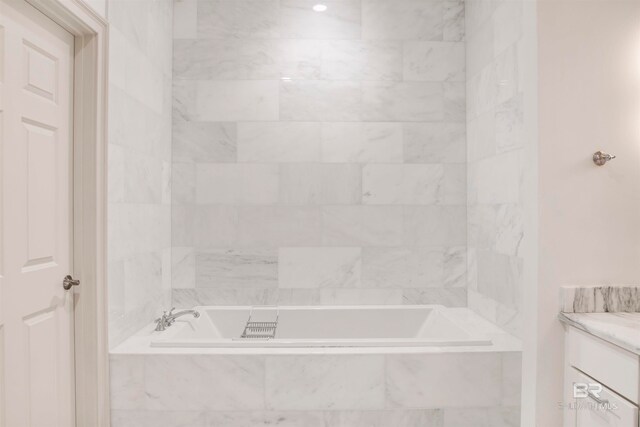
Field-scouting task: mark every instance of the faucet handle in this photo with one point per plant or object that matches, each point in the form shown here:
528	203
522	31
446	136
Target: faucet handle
171	311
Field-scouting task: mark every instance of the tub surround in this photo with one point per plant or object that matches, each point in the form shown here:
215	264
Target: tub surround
139	169
496	146
328	387
600	299
319	158
621	329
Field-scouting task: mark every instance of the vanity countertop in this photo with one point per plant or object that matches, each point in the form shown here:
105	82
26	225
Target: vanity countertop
621	329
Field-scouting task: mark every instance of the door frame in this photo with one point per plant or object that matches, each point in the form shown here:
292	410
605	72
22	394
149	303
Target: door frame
90	31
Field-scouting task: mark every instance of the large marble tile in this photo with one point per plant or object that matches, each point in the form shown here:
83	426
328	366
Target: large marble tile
509	121
506	73
362	60
500	277
237	184
142	278
236	19
263	419
509	232
403	184
498	179
319	267
204	382
216	59
402	20
341	20
279	142
435	225
324	382
183	101
403	101
221	297
453	17
234	100
320	184
479	44
158	418
402	267
454	185
362	225
122	16
206	59
185	19
300	59
507	20
388	418
183	267
182	225
482	417
455	101
360	296
434	61
511	379
481	136
237	268
183	183
273	226
126	382
362	142
455	267
116	173
443	380
142	179
214	226
434	142
449	297
320	100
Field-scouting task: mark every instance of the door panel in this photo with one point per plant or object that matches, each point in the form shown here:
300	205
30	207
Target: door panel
36	314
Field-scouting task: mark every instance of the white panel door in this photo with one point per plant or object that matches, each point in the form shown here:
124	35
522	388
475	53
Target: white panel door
36	313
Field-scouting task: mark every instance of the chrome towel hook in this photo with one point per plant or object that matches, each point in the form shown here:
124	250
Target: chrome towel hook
600	158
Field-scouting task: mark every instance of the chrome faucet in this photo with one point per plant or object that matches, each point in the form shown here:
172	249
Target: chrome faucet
167	319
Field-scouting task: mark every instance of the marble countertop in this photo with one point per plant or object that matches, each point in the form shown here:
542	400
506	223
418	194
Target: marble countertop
621	329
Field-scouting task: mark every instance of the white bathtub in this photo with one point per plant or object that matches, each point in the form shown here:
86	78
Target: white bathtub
320	326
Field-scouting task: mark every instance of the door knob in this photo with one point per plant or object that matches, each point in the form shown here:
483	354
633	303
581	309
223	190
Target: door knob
69	282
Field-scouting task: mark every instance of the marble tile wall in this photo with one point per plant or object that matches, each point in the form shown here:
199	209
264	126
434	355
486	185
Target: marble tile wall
379	390
319	158
495	146
139	193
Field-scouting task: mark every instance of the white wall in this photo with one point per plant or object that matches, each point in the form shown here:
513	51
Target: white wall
589	99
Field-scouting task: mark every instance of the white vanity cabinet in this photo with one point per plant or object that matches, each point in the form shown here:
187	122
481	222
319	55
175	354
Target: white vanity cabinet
602	382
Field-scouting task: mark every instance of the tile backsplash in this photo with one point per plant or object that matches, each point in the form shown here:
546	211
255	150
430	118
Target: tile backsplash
600	299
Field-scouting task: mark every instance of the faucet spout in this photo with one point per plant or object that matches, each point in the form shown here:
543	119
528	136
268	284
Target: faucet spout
167	319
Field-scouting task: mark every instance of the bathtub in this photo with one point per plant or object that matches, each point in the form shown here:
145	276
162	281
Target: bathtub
318	326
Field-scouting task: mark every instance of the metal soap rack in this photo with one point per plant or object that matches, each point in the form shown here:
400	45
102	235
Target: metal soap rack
260	330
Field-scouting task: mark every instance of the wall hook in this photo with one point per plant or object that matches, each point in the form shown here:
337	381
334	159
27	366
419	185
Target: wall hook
600	158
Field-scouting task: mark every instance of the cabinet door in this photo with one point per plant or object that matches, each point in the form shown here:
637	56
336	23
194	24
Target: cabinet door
598	406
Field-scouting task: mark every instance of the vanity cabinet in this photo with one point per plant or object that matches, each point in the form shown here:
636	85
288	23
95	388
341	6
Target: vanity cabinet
602	382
